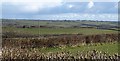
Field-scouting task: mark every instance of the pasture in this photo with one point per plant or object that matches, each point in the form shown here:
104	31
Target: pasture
110	48
40	37
58	23
42	31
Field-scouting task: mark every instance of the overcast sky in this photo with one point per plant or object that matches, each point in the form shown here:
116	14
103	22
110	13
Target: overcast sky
60	9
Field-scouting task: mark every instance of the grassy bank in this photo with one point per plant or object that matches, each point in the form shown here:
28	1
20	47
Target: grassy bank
110	48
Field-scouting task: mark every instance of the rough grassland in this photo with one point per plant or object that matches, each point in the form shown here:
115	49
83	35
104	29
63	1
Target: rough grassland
85	31
110	48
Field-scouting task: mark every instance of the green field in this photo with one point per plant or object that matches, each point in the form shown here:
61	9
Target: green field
61	27
85	31
58	23
106	47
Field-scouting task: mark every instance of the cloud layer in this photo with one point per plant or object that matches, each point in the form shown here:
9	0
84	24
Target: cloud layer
58	9
91	4
33	5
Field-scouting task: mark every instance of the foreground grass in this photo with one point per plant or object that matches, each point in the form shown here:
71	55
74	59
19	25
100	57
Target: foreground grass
110	48
85	31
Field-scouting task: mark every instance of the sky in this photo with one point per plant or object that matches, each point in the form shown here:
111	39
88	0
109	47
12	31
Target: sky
60	9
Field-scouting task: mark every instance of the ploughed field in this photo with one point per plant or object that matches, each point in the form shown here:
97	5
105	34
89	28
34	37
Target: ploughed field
23	39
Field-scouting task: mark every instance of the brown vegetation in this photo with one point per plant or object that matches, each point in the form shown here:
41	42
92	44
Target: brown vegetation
22	54
58	40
